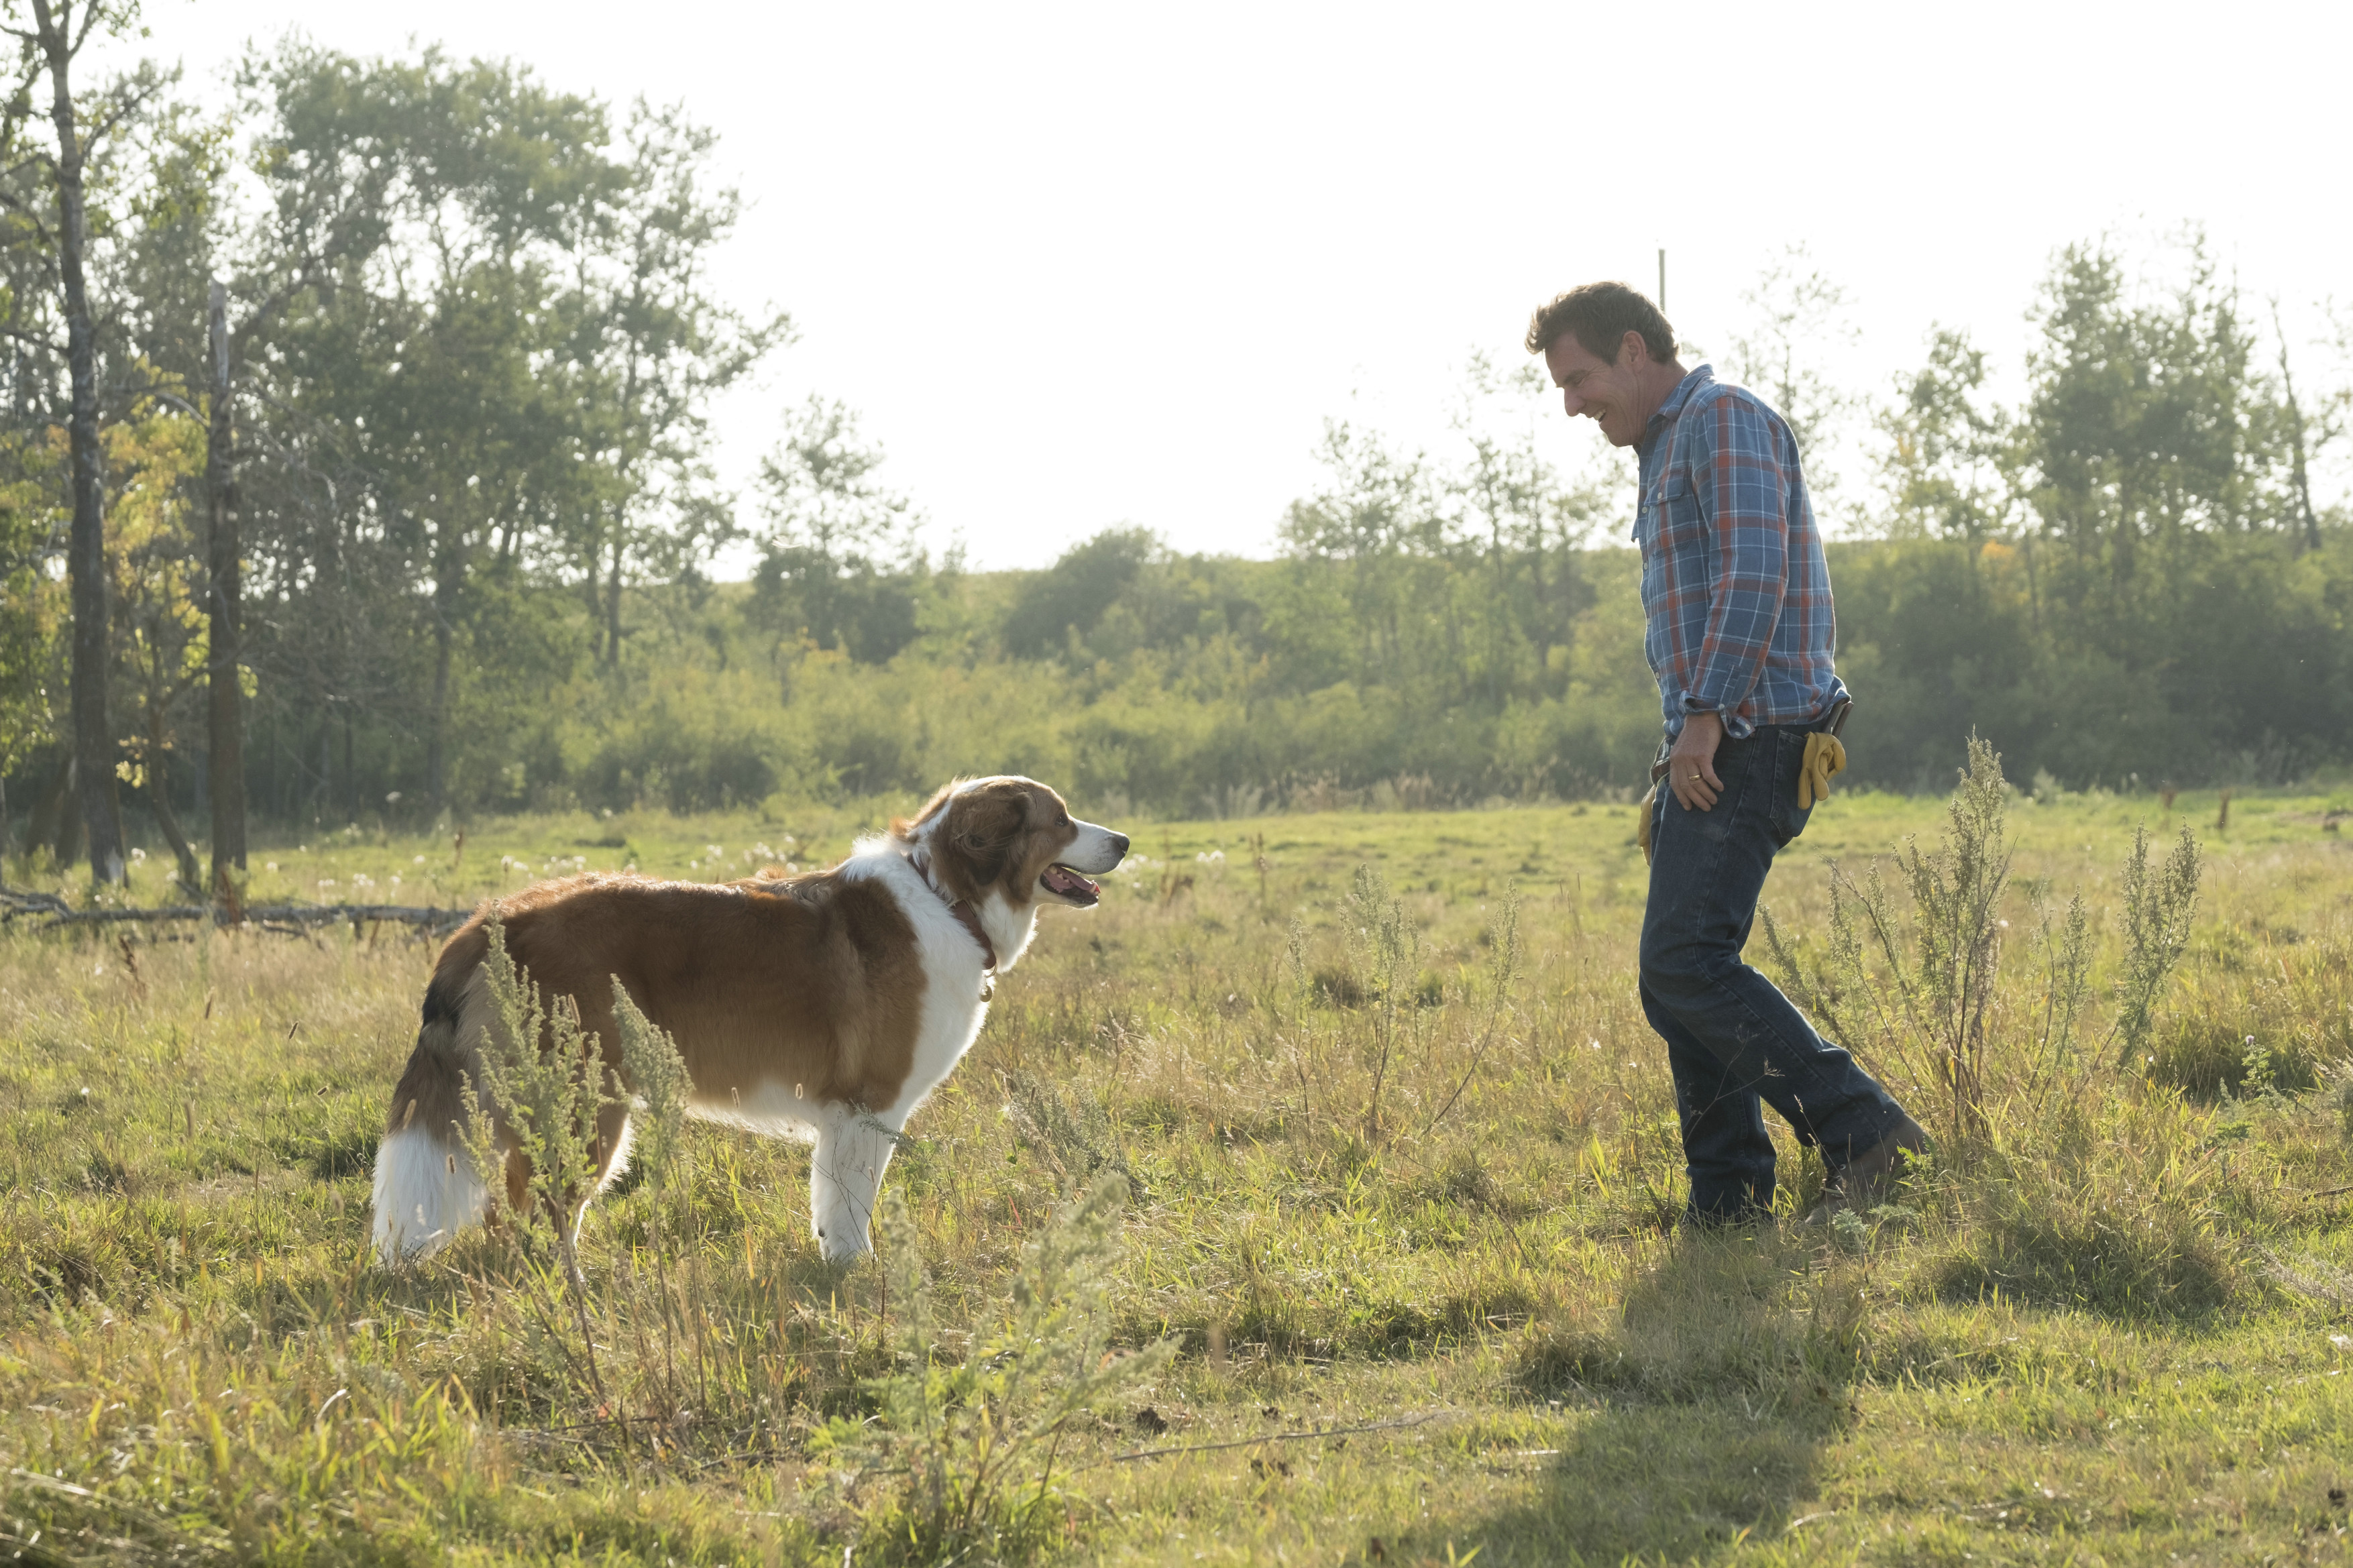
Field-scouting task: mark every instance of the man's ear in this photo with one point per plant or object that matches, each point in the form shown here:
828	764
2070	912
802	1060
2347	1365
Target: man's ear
982	826
1633	353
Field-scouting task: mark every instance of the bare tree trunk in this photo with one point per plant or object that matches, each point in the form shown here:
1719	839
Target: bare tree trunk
2299	473
86	543
437	720
224	610
159	801
613	604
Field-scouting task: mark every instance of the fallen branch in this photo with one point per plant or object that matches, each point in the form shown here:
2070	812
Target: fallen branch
1307	1437
15	903
55	913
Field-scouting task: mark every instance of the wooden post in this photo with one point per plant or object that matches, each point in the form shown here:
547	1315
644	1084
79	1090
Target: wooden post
224	603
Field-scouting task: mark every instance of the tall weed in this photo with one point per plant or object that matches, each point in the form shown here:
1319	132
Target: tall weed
975	1441
2158	912
1932	1009
1384	952
1928	995
545	1078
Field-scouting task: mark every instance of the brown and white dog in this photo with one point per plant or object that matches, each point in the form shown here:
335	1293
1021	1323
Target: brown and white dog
825	1006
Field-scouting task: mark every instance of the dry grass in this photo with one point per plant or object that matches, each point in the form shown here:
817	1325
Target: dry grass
2106	1331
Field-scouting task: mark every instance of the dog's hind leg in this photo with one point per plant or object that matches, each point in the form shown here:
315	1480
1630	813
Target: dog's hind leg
612	1154
853	1150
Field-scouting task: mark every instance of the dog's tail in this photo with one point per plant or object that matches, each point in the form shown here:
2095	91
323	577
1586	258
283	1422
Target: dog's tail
426	1189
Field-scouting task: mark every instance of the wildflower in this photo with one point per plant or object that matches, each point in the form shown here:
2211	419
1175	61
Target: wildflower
137	855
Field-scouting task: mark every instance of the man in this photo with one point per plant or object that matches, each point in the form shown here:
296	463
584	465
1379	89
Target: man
1737	598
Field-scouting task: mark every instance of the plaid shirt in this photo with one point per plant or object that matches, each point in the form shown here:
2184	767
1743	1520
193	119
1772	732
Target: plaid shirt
1735	587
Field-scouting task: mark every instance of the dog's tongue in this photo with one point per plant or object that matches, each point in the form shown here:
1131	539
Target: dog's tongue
1063	880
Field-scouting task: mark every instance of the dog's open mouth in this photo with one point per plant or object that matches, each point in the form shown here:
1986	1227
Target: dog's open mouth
1065	883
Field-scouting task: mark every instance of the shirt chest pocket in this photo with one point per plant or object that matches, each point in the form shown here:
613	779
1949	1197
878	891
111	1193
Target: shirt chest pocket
1674	520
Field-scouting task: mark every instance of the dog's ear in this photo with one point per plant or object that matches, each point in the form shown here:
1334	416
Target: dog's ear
904	826
983	826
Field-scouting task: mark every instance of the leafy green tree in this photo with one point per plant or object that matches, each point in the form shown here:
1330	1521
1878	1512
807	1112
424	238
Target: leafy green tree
1950	462
1524	524
427	395
1069	597
1375	517
840	561
657	347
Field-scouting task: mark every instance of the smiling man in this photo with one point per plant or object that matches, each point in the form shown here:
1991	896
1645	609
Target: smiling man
1737	599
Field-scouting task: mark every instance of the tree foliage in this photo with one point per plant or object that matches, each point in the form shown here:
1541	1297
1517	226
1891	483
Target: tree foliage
474	350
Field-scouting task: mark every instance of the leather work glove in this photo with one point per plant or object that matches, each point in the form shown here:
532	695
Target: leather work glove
1643	823
1825	760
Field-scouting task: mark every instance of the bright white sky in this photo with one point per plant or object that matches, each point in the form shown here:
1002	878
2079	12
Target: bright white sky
1085	265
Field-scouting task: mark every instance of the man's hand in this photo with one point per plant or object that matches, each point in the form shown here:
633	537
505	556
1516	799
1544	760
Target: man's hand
1691	766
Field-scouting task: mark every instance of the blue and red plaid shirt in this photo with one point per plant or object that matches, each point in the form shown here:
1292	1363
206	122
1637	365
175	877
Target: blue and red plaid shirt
1735	587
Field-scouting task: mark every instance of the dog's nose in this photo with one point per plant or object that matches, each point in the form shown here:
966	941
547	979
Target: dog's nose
1119	844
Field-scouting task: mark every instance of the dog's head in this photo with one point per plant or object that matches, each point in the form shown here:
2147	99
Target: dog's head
1013	838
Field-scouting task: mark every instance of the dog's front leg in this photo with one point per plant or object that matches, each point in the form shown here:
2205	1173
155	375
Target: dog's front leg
853	1149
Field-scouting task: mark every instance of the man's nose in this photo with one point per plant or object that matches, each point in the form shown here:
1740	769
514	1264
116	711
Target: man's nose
1571	402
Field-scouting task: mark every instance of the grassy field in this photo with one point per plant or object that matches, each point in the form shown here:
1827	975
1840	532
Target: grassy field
1404	1203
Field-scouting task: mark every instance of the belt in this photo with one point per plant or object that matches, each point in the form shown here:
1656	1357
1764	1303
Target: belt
1832	721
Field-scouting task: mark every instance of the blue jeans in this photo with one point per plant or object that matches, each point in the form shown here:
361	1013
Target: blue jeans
1735	1043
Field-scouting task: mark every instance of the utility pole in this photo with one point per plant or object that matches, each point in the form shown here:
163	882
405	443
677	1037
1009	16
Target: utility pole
1662	280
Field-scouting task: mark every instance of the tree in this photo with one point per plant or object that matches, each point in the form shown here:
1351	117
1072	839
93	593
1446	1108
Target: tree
1520	516
1950	462
657	347
155	558
1073	594
51	47
430	408
2308	435
1798	319
1377	512
841	552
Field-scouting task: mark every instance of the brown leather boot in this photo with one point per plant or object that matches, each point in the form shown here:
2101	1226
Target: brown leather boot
1870	1178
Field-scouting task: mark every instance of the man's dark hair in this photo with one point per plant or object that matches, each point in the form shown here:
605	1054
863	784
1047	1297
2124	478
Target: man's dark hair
1602	314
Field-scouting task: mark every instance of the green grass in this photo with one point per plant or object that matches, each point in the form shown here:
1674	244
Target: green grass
2113	1334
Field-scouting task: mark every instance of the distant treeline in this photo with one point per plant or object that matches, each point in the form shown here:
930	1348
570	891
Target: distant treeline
470	353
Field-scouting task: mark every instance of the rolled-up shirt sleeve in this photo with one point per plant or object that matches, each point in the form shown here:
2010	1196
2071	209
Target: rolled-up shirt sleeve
1736	474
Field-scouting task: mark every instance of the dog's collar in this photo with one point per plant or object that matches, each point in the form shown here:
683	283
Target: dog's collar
920	857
